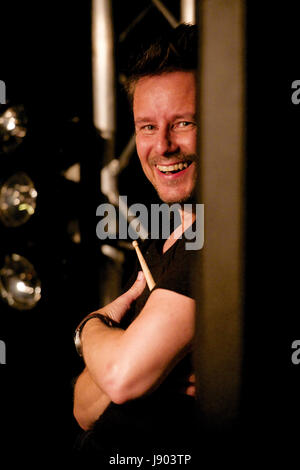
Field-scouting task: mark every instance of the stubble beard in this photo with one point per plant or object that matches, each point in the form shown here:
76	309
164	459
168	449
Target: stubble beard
189	198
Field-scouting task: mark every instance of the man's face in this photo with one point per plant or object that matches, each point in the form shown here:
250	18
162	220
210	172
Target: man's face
164	108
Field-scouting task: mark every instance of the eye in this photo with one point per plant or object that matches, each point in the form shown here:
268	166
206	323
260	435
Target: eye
147	129
183	124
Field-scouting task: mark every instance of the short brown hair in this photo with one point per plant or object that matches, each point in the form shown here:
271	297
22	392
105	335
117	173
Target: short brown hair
166	52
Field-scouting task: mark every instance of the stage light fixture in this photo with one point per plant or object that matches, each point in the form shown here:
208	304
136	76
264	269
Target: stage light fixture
17	200
20	286
13	128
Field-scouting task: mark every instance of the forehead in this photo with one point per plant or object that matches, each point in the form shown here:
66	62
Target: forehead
172	91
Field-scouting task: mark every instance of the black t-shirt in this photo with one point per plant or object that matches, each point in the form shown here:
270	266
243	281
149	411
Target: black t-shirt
172	270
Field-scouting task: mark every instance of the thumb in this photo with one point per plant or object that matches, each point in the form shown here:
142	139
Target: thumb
137	288
121	304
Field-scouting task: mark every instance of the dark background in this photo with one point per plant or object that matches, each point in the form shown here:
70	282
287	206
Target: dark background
271	381
46	64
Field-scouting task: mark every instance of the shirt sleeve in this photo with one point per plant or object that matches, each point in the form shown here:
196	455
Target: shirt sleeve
180	276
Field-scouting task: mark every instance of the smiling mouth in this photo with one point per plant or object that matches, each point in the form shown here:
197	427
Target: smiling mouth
172	169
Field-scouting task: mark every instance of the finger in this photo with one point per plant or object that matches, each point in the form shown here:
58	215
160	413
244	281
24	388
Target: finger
192	378
191	391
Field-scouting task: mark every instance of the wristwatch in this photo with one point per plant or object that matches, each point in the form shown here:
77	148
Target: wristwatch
103	318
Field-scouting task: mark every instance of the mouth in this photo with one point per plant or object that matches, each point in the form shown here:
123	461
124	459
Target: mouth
173	169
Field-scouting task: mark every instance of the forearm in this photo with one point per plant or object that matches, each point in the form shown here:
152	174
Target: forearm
89	401
127	364
91	396
102	353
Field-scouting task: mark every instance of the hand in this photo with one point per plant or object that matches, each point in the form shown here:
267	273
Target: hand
117	309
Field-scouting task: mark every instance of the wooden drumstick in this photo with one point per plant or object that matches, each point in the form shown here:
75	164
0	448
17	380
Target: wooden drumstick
146	270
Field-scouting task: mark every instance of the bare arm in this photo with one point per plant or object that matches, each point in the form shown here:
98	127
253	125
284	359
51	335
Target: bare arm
127	364
122	365
89	401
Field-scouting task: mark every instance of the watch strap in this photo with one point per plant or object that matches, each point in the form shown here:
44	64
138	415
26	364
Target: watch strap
103	318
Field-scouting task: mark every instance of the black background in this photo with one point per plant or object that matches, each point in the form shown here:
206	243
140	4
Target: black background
271	381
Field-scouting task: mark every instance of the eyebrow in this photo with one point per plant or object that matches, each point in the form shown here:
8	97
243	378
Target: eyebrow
141	120
174	118
185	116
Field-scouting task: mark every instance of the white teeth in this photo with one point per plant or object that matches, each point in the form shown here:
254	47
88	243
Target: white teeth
177	166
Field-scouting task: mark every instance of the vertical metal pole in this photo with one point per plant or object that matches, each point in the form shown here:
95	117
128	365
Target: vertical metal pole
104	118
103	70
221	188
188	11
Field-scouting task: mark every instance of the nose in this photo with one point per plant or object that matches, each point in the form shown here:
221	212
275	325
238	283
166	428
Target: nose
165	142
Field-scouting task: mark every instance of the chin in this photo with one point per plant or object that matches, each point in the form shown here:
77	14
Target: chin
178	198
180	193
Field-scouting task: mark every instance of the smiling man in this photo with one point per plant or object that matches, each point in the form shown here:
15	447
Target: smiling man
136	392
165	123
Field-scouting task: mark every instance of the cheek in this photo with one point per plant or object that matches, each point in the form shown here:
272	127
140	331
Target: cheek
142	152
142	148
189	143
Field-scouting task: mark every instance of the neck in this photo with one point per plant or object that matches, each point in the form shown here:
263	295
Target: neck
187	219
187	216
